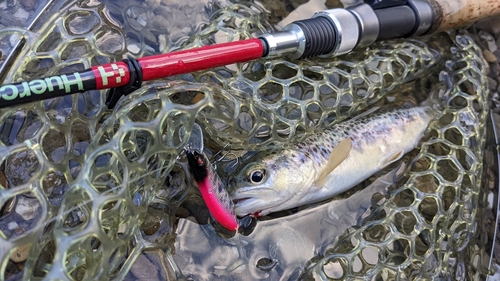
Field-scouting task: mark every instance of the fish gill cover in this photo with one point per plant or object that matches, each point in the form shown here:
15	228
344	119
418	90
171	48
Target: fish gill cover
82	182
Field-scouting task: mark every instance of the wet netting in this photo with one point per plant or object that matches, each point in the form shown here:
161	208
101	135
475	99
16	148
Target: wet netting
80	185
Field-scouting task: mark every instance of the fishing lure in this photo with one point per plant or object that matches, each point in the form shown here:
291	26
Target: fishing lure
212	189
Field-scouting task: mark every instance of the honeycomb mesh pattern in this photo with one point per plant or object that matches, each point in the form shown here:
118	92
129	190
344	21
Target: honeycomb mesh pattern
91	173
281	98
424	229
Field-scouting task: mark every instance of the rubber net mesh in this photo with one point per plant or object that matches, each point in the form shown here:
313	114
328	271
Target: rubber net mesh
80	179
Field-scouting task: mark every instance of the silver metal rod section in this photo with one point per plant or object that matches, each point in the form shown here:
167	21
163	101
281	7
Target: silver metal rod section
425	16
338	31
290	42
369	26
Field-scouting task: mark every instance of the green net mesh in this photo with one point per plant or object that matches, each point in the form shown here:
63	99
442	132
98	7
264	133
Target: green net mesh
84	183
424	229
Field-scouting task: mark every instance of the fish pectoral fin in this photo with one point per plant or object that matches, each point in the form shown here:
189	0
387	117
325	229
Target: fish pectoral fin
337	156
390	158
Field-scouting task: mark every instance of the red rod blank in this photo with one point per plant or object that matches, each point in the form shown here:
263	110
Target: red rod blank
160	66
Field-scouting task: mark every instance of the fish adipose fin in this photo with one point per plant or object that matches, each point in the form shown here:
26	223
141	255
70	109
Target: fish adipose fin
391	158
337	156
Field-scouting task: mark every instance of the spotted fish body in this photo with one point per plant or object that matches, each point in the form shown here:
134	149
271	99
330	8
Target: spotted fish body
289	178
212	190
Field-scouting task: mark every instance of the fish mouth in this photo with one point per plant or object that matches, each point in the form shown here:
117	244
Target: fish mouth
236	201
252	193
249	206
255	201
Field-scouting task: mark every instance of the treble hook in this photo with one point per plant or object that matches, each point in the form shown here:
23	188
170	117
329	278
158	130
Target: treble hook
223	156
235	157
183	151
214	163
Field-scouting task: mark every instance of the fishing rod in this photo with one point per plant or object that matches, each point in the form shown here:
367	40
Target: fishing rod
328	33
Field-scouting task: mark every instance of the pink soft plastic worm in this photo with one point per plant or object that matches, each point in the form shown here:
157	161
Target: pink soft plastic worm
212	190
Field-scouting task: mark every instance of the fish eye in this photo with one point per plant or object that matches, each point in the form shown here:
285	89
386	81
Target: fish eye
257	176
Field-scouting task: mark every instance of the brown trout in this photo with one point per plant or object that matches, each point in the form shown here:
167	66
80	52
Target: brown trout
328	163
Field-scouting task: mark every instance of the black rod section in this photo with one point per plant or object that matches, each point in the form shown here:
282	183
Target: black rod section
395	22
46	88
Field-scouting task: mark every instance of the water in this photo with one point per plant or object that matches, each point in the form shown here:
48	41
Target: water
99	186
284	244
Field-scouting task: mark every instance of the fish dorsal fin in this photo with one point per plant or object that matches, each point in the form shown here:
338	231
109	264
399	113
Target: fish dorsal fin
390	158
366	113
338	155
